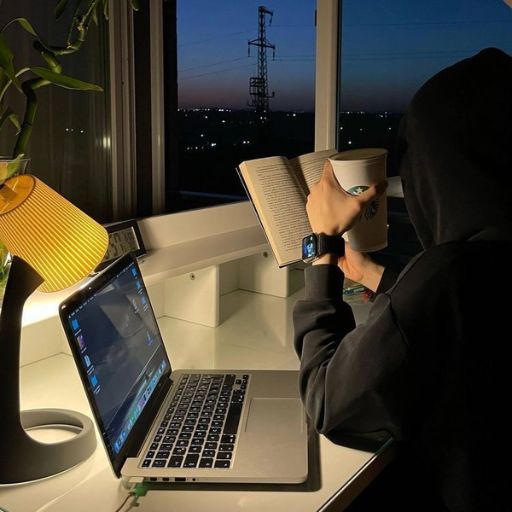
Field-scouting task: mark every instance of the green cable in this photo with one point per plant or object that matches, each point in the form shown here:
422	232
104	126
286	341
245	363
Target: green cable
140	490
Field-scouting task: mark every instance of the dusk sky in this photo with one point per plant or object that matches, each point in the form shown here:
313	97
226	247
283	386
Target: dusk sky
390	47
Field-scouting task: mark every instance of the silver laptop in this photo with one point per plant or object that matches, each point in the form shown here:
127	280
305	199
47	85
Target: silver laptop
177	426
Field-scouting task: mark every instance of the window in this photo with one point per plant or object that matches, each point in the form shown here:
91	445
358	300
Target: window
229	109
70	146
389	48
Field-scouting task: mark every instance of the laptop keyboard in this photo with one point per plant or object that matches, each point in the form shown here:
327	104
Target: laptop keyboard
199	429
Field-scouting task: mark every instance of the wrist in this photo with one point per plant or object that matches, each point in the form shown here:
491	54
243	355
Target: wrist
319	246
372	276
326	259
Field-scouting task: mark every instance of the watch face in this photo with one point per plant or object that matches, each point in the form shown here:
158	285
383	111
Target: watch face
309	248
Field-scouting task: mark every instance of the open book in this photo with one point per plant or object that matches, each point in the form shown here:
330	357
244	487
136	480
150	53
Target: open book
278	189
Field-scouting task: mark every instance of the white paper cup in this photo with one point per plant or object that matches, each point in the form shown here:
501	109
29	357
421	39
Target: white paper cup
355	171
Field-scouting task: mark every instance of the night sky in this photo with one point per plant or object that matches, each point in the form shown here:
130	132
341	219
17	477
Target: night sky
390	47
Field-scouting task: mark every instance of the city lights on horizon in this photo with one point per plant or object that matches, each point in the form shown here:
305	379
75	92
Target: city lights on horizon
219	129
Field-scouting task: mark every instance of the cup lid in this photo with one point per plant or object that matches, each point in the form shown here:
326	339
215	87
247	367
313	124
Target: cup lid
364	154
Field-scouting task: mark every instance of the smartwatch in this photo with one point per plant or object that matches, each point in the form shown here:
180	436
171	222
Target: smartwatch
318	244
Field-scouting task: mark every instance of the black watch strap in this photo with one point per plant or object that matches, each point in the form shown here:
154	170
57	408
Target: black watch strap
330	244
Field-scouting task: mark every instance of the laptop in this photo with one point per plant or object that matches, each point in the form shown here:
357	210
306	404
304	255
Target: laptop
163	425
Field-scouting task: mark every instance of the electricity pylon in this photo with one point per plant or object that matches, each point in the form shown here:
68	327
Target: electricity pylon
258	85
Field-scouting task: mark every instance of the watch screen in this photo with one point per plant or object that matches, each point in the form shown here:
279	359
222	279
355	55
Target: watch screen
309	249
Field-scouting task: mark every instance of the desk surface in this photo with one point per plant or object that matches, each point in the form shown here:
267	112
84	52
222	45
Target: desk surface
256	333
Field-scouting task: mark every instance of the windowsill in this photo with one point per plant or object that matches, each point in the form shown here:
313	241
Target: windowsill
165	262
185	257
161	264
182	242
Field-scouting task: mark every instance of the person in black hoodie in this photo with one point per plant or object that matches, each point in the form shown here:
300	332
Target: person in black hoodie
431	363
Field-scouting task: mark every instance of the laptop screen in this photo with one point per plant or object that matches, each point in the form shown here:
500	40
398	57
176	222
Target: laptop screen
115	338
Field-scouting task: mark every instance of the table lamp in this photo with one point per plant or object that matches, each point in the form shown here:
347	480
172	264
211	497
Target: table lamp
54	245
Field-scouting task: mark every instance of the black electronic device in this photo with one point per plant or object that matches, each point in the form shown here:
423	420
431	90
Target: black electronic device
123	238
318	244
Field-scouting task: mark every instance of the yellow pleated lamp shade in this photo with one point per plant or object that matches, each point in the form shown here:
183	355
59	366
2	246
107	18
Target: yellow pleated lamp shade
52	235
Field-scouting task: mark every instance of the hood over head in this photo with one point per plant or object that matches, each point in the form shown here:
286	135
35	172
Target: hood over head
455	152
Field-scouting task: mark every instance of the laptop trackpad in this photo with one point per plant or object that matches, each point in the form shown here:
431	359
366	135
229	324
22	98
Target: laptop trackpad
275	416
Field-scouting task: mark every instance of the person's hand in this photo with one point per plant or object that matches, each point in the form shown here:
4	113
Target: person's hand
333	211
359	267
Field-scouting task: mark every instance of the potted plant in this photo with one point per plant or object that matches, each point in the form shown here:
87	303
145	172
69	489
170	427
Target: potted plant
16	79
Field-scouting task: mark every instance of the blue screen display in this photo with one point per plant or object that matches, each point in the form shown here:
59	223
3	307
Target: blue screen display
121	350
308	247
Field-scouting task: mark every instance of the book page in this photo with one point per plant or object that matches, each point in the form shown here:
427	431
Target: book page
279	203
309	167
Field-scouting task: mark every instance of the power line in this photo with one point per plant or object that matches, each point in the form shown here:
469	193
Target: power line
285	58
294	60
407	55
373	59
294	26
213	72
212	64
298	56
419	23
216	38
419	52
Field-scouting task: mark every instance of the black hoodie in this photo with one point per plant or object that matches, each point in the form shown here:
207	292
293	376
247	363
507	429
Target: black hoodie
431	363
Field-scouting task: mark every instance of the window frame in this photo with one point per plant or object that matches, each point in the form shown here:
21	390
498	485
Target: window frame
326	81
327	73
122	112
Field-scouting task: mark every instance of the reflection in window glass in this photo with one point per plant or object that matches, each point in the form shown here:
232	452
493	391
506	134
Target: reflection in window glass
389	48
220	123
70	144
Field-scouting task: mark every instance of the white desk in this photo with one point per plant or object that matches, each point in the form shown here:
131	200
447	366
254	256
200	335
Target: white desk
256	333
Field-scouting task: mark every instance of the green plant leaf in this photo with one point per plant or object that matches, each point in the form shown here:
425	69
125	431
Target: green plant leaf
10	115
94	15
64	81
10	168
13	166
15	120
60	8
105	9
27	26
3	80
24	23
6	62
135	5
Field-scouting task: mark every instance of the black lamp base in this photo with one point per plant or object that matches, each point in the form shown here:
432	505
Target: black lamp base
23	458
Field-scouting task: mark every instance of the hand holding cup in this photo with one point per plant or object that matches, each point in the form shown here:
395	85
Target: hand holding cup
357	171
